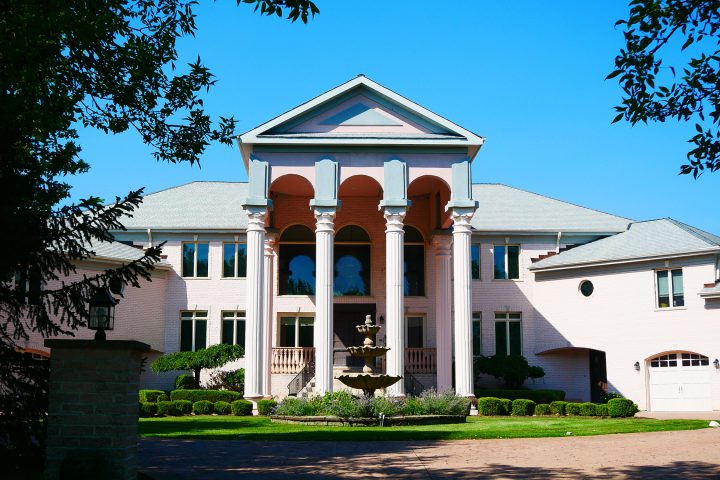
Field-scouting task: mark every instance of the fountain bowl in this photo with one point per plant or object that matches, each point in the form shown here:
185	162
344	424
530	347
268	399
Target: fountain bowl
367	351
368	382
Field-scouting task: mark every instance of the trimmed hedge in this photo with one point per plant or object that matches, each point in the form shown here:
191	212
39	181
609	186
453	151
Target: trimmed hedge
522	407
183	406
241	408
558	407
542	409
148	409
210	395
490	406
621	407
538	396
506	405
588	409
184	381
202	407
222	408
601	410
153	396
168	408
572	408
266	407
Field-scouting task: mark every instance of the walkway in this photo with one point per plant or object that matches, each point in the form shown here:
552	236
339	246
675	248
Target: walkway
685	455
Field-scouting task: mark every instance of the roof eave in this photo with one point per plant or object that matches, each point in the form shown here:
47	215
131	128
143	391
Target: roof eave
118	261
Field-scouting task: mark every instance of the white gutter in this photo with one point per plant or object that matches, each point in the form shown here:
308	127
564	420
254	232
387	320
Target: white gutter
714	250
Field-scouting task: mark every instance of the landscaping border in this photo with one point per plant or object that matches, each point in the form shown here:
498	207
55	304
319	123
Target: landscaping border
369	421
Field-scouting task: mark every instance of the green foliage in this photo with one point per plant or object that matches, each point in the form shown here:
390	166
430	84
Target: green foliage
491	406
241	408
512	369
266	407
228	380
588	409
390	407
607	396
601	410
538	396
185	381
202	407
444	403
542	409
222	408
687	86
572	408
183	406
148	409
621	407
558	408
168	409
521	407
153	396
506	405
211	357
209	395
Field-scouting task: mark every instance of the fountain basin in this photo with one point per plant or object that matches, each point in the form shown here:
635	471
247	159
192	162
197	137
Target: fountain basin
370	330
368	382
367	351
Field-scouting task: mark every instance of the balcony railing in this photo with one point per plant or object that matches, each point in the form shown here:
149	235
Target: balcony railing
420	360
291	359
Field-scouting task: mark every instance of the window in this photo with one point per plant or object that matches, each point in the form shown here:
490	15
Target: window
477	334
414	263
28	286
506	262
296	331
193	330
670	286
587	288
297	261
233	328
475	261
195	259
352	262
234	260
415	329
508	334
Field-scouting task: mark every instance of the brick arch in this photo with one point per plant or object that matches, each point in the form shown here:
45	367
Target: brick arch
360	185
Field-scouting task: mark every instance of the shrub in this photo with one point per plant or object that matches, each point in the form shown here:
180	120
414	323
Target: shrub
221	408
387	406
413	406
202	407
184	381
572	408
168	408
444	403
148	409
558	407
538	396
607	396
488	406
266	407
227	380
183	406
621	407
542	409
241	408
513	369
209	395
601	410
521	407
152	396
588	409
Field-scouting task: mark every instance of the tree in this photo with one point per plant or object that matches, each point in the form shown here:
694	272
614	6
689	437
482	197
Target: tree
513	369
211	357
110	66
687	91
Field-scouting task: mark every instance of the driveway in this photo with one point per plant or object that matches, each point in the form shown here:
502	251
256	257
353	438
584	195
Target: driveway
685	455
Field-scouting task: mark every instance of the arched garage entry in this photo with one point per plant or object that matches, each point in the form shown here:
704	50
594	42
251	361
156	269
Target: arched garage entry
679	381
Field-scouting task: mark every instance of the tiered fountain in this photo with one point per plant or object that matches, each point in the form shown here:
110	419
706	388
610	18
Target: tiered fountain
368	381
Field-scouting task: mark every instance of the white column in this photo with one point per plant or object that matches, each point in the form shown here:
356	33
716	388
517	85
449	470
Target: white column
269	252
395	307
254	316
463	301
324	276
443	311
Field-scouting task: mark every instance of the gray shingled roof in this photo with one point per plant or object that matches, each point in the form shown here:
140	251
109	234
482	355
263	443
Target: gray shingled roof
119	251
711	291
651	239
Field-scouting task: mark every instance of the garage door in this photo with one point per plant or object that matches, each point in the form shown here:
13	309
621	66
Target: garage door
680	382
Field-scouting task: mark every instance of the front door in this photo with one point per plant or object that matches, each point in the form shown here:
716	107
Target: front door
345	318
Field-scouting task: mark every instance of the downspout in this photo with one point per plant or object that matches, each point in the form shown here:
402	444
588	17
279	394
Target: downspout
557	242
149	233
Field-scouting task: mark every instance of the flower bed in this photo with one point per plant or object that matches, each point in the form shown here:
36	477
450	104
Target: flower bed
369	422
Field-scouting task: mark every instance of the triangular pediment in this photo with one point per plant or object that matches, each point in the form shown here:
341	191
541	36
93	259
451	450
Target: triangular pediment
360	115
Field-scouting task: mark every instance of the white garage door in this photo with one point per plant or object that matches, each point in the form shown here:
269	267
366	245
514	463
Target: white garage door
680	382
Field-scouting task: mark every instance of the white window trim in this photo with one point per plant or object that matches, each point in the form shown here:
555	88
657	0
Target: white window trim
194	319
507	320
507	270
234	319
424	328
195	252
658	308
297	316
235	270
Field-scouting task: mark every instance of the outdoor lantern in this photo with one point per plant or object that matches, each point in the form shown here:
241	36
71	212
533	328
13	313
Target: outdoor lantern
716	363
102	312
637	366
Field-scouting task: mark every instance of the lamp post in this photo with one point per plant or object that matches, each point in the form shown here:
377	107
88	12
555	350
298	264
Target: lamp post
102	312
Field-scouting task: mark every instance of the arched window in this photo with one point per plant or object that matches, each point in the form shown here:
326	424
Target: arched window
352	262
414	263
297	261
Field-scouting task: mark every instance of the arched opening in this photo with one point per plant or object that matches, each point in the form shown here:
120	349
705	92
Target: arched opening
290	194
352	262
297	261
680	381
414	263
360	186
429	195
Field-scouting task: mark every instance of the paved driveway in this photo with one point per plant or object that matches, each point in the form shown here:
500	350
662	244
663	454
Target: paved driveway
685	455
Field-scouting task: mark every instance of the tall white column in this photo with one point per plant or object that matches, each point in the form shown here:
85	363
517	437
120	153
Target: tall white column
443	311
269	254
254	311
395	307
324	276
462	286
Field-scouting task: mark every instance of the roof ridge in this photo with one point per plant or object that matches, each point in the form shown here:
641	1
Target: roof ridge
696	232
188	183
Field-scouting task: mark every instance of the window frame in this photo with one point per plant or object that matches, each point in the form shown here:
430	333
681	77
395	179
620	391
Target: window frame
423	317
506	261
195	243
507	320
235	268
296	316
671	299
235	318
195	317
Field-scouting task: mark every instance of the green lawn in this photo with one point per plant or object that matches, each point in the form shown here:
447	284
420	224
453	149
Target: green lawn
260	428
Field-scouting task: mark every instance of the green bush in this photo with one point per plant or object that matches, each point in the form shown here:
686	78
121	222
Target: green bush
588	409
538	396
183	406
413	406
153	396
168	409
241	408
227	380
444	403
185	381
621	407
209	395
148	409
558	407
542	409
266	407
572	408
513	369
521	407
490	406
607	396
202	407
388	406
601	410
506	405
221	408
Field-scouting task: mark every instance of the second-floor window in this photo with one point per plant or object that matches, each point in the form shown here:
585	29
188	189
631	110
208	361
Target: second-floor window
415	329
477	334
233	328
508	334
506	260
296	331
195	257
475	261
234	260
193	330
670	288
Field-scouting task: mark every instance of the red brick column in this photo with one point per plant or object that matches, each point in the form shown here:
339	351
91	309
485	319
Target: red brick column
93	414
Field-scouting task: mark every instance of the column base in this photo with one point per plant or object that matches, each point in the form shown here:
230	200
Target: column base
255	401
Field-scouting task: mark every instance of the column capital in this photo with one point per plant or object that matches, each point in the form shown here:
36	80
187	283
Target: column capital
461	219
394	219
256	218
325	218
442	244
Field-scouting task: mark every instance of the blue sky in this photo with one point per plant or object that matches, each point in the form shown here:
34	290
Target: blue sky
529	76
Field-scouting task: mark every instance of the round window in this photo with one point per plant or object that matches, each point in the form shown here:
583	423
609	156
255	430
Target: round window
586	288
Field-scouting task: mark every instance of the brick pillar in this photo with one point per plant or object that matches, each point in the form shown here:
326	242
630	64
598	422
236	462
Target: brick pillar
93	414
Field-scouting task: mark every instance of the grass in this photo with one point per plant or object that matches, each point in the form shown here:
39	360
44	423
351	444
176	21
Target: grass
260	428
